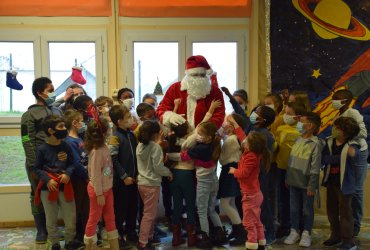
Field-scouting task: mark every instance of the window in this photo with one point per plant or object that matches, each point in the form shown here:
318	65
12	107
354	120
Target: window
155	62
12	159
163	54
65	55
50	53
222	57
16	56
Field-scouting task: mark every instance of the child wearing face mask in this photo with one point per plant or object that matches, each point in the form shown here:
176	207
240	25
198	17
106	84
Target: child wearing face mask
261	118
228	186
32	137
100	170
54	166
126	97
75	125
302	178
339	156
205	155
122	145
285	137
239	96
342	100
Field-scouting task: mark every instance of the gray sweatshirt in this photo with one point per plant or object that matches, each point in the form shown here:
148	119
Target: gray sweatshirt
150	164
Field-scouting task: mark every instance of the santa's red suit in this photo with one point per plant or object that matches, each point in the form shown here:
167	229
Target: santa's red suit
195	98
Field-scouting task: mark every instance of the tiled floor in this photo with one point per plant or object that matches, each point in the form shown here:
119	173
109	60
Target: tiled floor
23	238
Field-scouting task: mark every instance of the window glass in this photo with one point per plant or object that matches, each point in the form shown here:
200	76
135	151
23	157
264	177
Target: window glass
155	62
222	57
65	55
17	56
12	160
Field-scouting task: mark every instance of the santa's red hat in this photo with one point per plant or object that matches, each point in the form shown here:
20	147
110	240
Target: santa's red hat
197	65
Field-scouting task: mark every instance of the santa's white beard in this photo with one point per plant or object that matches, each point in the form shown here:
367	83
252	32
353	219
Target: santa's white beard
197	86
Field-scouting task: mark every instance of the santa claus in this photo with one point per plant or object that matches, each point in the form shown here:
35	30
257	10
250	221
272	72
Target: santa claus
196	94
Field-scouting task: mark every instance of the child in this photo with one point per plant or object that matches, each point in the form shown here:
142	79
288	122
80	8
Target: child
182	187
151	170
205	154
54	167
32	137
339	179
240	110
228	185
80	177
104	104
285	137
300	97
261	119
126	97
122	145
241	96
341	101
302	177
100	170
145	112
255	151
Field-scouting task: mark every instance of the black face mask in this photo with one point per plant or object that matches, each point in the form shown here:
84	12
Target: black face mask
60	134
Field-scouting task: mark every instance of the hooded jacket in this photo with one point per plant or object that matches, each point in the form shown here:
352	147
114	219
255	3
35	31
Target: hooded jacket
32	132
150	164
305	163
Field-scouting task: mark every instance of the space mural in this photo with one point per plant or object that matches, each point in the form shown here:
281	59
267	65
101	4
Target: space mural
319	46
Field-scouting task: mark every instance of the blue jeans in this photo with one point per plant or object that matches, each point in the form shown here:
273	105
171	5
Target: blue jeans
283	194
301	205
207	188
357	201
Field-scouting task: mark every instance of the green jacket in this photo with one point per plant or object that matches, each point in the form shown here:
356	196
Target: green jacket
32	132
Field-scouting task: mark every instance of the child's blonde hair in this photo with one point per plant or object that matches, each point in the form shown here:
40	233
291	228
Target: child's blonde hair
301	98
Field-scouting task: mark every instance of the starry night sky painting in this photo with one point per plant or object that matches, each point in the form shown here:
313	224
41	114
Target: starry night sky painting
319	46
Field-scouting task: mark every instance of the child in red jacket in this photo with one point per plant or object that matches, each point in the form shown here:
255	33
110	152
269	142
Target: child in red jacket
255	153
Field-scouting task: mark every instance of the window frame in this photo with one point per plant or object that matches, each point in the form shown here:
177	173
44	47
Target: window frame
41	41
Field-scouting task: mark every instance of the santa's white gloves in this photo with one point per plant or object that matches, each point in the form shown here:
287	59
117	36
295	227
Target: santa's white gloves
170	117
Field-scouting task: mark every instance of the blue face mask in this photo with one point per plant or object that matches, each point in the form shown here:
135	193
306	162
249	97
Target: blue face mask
253	117
82	129
300	128
50	99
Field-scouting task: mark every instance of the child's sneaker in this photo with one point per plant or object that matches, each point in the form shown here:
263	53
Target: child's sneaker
305	239
292	238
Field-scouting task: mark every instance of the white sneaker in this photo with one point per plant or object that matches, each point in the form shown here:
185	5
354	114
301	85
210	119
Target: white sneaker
292	238
305	239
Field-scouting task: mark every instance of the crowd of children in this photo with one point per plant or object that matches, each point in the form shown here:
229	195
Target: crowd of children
103	166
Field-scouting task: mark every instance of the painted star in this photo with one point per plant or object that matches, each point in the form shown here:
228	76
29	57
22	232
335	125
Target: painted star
316	73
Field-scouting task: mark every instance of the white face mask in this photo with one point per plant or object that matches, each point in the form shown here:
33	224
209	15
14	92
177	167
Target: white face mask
288	119
337	104
242	106
129	103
